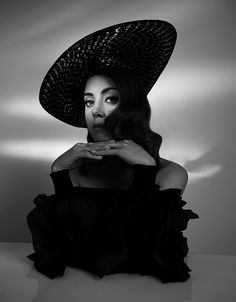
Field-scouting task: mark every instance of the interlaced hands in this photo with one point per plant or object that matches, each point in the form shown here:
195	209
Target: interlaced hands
127	150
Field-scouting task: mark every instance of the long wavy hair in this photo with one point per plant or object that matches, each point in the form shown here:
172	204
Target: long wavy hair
131	118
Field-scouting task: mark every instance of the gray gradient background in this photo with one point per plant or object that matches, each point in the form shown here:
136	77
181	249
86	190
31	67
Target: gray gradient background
193	105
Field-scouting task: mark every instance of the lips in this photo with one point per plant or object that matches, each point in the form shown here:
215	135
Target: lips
98	125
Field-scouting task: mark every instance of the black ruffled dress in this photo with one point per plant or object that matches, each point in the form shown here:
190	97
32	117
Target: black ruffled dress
106	231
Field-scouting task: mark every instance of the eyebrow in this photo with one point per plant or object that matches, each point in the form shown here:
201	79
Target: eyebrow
103	91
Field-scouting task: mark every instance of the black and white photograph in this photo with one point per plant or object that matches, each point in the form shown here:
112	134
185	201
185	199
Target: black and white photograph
117	151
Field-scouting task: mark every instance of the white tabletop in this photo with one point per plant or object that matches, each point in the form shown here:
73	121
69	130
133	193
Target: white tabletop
213	278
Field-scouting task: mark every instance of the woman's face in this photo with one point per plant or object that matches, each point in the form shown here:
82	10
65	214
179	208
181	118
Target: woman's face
101	97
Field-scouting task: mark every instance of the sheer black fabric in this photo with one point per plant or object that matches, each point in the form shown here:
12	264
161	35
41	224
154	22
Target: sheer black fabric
108	231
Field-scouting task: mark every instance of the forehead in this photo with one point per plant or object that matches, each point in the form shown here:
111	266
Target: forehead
99	82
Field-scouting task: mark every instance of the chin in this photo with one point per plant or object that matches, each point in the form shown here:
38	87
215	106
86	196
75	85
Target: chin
102	138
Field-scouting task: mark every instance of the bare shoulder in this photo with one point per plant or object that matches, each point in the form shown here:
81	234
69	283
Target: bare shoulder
171	175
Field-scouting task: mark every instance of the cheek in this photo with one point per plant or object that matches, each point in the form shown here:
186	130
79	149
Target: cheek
88	117
110	110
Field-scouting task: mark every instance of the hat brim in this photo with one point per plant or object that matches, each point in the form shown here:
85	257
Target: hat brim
144	46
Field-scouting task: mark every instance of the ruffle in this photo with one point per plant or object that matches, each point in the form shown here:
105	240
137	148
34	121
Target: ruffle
111	231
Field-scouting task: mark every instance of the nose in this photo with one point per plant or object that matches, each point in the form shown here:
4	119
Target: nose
98	110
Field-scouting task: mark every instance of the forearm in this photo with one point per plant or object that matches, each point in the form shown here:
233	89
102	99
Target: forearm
61	181
144	177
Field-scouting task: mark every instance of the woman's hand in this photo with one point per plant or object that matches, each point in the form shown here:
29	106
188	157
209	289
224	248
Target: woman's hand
129	151
70	159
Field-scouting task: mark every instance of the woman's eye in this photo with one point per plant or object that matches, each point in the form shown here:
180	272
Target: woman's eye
85	102
111	99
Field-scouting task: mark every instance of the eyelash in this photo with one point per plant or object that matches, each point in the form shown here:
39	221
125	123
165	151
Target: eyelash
112	97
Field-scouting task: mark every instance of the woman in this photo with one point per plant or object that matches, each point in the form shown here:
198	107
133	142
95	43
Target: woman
116	207
119	123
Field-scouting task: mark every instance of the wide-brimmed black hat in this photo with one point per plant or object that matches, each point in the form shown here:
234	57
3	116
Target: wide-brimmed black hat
143	46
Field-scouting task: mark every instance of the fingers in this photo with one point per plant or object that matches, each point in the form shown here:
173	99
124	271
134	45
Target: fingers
104	145
93	156
111	149
104	152
89	146
119	144
96	150
100	143
109	146
110	142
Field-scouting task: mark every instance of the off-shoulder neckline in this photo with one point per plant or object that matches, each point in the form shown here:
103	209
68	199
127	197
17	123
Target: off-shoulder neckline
122	189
